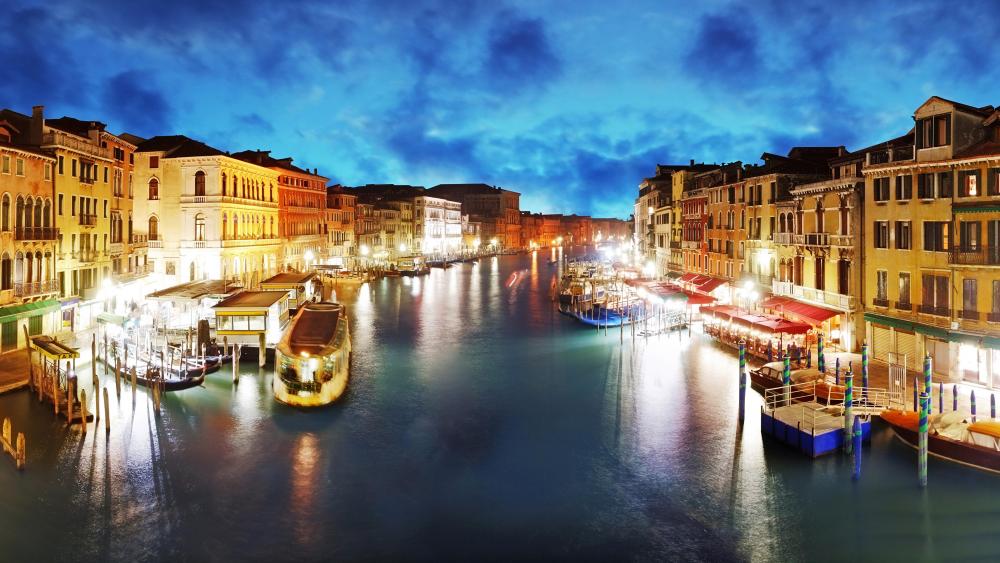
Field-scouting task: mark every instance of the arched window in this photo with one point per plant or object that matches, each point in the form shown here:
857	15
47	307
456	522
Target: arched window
47	215
6	272
18	268
199	227
154	188
154	233
225	226
19	214
29	212
38	213
819	216
130	227
223	183
5	218
236	226
199	183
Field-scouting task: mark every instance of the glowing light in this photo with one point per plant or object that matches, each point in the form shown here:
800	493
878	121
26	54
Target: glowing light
364	250
402	248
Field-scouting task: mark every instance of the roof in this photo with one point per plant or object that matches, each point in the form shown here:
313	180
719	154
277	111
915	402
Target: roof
74	126
195	290
468	189
254	299
177	146
984	111
134	139
53	349
264	158
313	330
289	278
986	147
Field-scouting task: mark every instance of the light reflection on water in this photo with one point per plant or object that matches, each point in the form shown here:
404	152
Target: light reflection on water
479	423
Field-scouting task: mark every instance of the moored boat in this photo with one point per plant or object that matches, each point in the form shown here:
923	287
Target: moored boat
951	436
412	267
313	356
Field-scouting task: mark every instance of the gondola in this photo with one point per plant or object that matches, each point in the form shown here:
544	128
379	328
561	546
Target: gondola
192	375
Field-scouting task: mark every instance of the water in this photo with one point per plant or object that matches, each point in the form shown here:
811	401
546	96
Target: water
479	424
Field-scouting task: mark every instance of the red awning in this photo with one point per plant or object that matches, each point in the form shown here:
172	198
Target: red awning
710	283
686	278
811	314
786	326
695	298
724	312
775	301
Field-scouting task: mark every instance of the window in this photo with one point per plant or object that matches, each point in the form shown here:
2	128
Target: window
48	171
105	209
904	290
154	162
5	164
199	183
60	203
881	234
154	188
904	187
934	131
902	235
882	189
969	184
881	287
995	314
934	293
73	209
925	186
5	216
105	174
73	168
969	235
19	167
154	228
969	289
993	181
944	184
936	236
199	227
60	165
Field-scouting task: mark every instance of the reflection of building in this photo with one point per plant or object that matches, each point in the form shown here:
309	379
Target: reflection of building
27	241
206	214
301	208
932	242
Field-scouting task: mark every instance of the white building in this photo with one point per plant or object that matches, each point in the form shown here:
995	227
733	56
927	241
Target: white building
437	225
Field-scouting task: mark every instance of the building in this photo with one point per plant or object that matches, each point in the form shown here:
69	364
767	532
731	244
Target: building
496	209
301	209
206	215
340	212
28	285
694	217
931	240
531	229
726	226
437	225
366	232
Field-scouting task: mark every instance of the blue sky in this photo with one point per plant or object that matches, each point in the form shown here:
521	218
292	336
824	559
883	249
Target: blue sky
570	103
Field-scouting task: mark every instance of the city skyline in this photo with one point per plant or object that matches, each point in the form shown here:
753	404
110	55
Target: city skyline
405	94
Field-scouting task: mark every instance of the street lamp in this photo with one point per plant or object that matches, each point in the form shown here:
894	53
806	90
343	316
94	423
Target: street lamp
309	256
402	248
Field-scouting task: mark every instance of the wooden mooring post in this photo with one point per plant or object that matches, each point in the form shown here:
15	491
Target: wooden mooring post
16	447
107	414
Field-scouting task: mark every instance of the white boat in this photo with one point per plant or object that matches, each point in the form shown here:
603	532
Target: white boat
313	357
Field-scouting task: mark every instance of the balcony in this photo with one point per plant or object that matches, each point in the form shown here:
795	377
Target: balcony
154	241
85	180
36	233
993	317
675	244
116	248
818	296
783	238
932	310
138	241
86	255
31	289
968	315
903	306
984	256
75	143
817	239
842	240
88	220
880	302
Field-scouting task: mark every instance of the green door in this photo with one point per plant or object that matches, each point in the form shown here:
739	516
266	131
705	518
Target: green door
8	336
35	325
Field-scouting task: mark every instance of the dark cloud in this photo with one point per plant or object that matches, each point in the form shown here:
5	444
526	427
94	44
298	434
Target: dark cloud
724	49
519	55
255	121
38	69
136	104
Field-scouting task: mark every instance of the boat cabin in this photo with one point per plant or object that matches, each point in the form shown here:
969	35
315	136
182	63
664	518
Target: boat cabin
254	318
299	286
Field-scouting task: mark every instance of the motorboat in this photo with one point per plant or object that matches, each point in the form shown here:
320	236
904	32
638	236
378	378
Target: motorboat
313	357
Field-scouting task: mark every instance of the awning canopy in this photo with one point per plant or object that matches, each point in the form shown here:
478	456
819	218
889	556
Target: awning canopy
709	284
687	278
53	349
722	312
985	341
694	298
111	319
24	310
806	312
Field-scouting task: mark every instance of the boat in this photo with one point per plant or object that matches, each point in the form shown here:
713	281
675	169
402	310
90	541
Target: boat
412	267
600	316
313	357
798	416
184	374
951	436
438	264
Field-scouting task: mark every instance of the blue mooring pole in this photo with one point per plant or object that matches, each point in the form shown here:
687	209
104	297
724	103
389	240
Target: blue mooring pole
993	406
857	448
743	379
954	397
848	409
941	397
927	381
922	450
972	400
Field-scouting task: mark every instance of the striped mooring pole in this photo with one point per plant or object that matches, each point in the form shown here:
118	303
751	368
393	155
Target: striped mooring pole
954	397
927	381
922	450
941	397
972	402
820	360
993	406
786	380
857	448
848	409
743	379
864	367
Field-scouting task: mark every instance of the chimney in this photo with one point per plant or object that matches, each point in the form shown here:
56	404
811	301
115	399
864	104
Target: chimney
37	125
692	162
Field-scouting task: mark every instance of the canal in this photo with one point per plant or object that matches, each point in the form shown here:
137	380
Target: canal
478	424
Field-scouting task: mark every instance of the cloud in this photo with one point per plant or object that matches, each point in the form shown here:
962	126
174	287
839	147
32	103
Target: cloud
136	103
519	55
255	121
724	50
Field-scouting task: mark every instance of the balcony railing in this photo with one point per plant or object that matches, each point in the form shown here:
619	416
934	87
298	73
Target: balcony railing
36	233
783	238
86	255
30	289
75	143
969	315
932	310
880	302
984	256
993	317
817	239
818	296
675	244
138	241
903	306
88	220
116	248
841	240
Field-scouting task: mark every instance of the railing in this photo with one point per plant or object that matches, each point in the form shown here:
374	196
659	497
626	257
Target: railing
86	255
80	145
819	296
675	244
138	241
86	180
993	317
984	256
783	238
817	239
116	248
36	233
880	302
867	401
154	243
968	315
903	306
932	310
88	220
29	289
